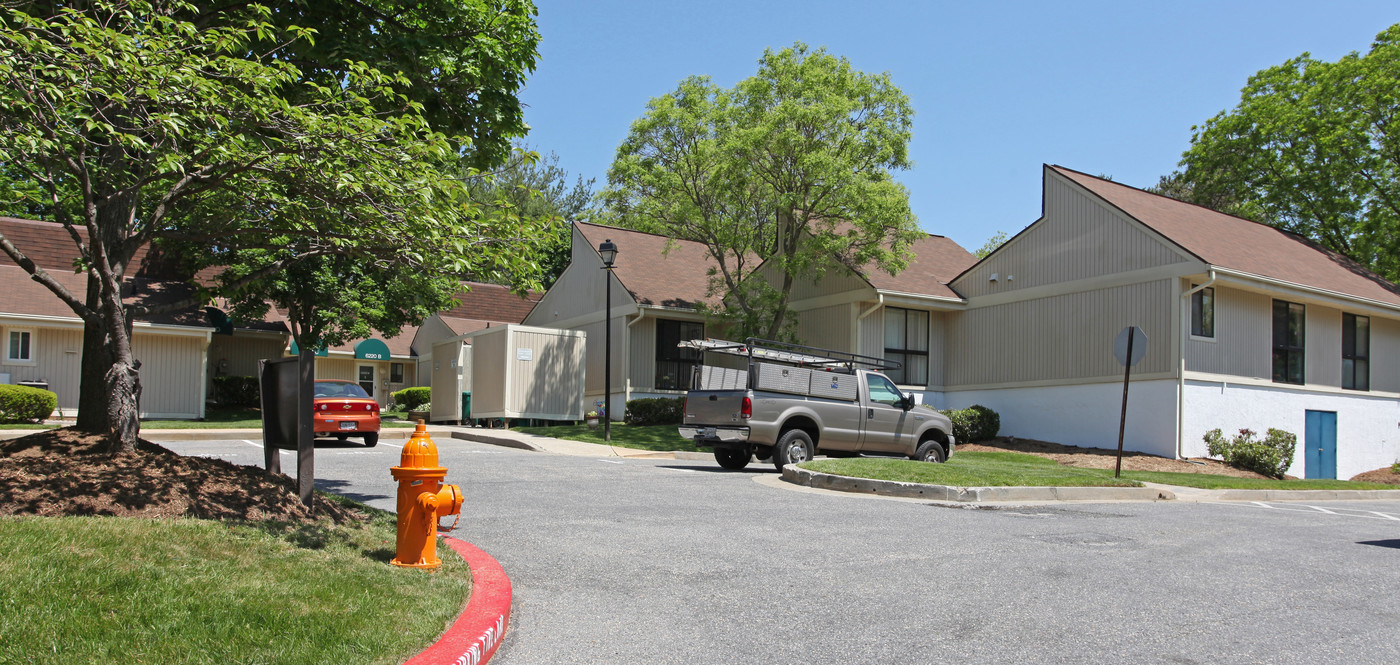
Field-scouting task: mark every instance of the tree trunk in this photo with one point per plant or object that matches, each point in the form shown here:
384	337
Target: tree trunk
95	361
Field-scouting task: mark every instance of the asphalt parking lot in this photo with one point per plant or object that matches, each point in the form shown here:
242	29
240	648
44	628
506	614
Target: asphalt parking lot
664	561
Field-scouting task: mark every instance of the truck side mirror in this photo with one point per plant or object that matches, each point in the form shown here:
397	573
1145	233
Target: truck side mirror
908	401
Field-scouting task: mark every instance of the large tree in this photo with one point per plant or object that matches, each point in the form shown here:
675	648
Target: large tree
793	166
143	121
1313	147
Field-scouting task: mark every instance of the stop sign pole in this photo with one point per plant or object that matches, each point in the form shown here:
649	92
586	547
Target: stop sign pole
1128	348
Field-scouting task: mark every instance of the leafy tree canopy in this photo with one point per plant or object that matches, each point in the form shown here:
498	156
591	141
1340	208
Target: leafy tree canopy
1314	148
139	122
793	166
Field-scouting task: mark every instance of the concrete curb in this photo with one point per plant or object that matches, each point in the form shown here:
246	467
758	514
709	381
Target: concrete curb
504	441
472	639
828	481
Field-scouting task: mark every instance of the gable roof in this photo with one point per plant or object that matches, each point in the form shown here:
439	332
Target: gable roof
1238	244
936	261
492	302
655	269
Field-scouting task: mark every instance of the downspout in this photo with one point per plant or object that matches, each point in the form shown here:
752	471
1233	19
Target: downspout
855	326
1181	371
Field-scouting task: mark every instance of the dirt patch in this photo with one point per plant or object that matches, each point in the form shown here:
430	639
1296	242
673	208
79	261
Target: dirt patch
1103	458
65	472
1381	475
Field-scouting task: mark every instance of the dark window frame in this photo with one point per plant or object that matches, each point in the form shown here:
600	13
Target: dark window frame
1356	352
1203	313
674	365
1289	357
395	372
906	375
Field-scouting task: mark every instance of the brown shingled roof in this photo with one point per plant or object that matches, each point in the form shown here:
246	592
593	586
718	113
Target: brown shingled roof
48	244
26	297
492	302
937	260
1239	244
655	269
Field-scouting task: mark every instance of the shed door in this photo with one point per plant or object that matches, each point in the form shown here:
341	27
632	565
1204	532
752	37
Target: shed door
1320	443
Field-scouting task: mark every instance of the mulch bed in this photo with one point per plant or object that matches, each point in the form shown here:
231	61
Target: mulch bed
65	472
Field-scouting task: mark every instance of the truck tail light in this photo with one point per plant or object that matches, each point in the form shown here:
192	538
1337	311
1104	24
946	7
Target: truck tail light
746	409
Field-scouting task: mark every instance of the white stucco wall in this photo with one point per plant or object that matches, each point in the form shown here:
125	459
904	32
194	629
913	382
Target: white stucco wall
1080	415
1368	426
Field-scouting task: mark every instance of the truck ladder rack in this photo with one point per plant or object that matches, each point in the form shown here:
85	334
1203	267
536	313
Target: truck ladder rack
756	349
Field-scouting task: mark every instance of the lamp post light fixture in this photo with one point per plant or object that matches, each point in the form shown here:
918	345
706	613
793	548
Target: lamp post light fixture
608	251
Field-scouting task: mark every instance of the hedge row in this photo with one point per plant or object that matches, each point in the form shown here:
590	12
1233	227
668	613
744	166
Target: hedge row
1271	456
654	411
413	399
23	404
973	424
236	390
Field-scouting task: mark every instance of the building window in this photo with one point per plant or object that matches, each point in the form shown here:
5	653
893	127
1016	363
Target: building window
395	372
674	365
1288	342
906	342
19	346
1356	352
1203	312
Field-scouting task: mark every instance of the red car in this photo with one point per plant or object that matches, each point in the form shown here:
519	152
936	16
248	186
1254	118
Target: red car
342	409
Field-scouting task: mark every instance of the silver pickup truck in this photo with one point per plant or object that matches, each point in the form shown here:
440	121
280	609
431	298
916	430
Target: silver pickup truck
793	402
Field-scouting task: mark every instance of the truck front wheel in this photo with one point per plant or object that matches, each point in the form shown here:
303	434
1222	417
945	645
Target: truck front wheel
930	451
794	447
733	458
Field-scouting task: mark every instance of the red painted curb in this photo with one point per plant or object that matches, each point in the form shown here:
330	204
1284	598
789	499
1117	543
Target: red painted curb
472	639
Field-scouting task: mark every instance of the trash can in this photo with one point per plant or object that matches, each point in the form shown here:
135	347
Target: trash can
466	406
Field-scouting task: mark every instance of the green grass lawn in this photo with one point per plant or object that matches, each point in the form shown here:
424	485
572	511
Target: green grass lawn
977	469
1217	482
107	589
644	437
971	469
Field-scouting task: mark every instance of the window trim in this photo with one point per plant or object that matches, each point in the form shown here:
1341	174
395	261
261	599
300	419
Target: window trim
906	352
1301	349
1366	384
1196	297
32	359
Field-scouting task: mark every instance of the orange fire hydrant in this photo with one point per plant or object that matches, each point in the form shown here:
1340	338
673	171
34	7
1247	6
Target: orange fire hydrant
422	500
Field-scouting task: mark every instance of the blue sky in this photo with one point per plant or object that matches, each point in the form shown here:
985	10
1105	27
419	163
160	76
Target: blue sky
998	88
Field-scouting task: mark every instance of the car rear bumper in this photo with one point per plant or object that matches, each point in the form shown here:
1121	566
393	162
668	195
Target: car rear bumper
345	424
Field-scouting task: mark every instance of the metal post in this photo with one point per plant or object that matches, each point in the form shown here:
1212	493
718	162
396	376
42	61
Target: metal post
1123	416
608	252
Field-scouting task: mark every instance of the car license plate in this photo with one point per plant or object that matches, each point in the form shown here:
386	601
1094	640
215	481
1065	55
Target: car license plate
708	432
347	426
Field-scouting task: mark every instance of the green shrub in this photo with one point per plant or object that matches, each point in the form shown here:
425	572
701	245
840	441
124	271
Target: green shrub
1270	457
236	390
975	423
23	404
1395	468
413	399
654	411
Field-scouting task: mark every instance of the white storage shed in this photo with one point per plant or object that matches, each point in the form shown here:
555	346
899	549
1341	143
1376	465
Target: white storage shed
512	371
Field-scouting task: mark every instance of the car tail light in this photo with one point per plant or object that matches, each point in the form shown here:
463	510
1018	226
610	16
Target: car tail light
372	406
321	406
746	409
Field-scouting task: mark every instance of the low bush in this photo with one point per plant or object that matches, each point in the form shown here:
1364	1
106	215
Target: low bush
413	399
236	390
1271	457
654	411
23	404
975	423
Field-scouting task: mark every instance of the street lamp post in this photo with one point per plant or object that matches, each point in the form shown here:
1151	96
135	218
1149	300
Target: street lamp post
608	251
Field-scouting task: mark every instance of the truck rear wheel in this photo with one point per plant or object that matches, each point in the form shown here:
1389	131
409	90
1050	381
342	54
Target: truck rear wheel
794	447
732	458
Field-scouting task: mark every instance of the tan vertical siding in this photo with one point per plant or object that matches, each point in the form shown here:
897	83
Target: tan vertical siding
57	356
828	327
488	372
549	383
871	331
342	369
1322	346
170	373
938	334
641	360
1243	343
1059	338
1385	355
1078	238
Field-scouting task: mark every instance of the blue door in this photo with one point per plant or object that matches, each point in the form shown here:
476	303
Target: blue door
1320	444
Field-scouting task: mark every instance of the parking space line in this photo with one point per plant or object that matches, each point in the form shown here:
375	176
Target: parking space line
1384	516
610	461
1313	510
251	443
